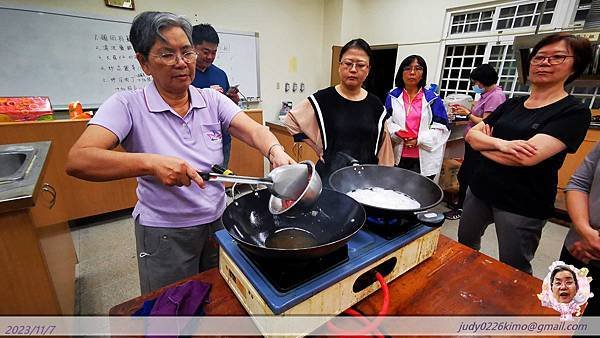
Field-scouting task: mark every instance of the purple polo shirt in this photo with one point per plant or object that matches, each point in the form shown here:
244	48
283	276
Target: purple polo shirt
488	101
144	123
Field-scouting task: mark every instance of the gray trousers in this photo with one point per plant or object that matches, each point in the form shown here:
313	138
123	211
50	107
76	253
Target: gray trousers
166	255
518	236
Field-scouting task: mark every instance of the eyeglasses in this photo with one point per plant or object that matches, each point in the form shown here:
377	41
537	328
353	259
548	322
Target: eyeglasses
568	283
349	64
552	59
171	59
415	69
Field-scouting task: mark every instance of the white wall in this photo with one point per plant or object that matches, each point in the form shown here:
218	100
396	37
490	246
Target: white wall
417	26
296	35
291	35
332	33
352	20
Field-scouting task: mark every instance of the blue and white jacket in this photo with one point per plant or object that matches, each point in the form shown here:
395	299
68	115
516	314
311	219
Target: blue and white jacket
433	130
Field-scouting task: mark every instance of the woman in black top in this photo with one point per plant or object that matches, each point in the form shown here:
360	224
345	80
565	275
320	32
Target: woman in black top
524	143
344	118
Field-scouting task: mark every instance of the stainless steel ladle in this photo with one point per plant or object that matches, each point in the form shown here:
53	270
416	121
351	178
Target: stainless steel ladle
285	182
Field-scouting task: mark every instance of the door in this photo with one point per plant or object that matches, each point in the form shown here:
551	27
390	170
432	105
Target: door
383	71
335	63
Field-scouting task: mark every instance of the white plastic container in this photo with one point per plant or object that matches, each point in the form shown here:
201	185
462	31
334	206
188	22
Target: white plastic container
462	99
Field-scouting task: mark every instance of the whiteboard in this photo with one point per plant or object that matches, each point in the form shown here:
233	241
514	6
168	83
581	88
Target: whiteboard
237	55
77	58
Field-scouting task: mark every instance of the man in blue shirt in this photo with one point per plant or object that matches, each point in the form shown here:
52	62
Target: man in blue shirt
206	41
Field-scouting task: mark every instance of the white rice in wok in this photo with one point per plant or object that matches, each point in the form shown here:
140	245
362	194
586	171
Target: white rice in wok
384	198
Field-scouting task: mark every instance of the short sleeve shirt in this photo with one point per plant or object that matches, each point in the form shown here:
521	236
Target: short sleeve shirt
144	123
488	102
530	191
213	75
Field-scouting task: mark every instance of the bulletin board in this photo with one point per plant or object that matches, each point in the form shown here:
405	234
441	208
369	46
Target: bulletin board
70	57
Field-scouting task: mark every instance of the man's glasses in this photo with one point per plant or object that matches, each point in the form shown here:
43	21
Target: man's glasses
552	59
416	69
359	65
171	59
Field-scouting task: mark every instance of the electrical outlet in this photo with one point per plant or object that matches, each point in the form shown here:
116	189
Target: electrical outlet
294	87
301	87
278	85
287	87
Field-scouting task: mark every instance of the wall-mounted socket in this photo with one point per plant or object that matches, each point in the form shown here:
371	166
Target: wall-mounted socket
301	87
294	87
278	85
287	87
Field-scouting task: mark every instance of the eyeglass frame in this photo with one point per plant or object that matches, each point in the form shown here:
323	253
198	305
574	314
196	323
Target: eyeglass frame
181	56
417	68
544	58
354	64
567	283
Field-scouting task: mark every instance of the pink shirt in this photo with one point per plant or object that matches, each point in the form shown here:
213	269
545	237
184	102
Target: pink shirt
488	102
413	120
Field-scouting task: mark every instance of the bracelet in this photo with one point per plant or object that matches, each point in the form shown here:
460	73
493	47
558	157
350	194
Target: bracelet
469	116
271	148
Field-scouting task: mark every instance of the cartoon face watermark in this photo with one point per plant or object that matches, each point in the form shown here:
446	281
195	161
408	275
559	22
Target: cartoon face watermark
566	289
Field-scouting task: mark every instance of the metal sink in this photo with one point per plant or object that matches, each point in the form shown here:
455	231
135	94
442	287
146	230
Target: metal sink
15	163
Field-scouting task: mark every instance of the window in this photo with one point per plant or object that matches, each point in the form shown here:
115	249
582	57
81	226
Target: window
525	15
589	96
502	58
461	57
459	61
583	8
472	22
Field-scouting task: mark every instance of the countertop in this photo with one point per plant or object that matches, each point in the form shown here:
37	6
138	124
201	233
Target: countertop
21	194
441	285
277	124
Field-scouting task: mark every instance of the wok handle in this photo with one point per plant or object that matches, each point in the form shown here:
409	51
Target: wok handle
217	169
220	170
349	159
203	175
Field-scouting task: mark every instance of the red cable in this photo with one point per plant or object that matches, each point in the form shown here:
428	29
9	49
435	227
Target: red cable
364	320
372	326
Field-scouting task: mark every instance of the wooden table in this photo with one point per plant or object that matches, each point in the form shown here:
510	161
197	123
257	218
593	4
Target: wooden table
456	280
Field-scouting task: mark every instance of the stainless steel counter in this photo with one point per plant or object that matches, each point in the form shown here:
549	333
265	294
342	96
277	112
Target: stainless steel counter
20	193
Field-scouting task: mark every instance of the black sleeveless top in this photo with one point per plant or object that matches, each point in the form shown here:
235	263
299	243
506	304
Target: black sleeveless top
352	127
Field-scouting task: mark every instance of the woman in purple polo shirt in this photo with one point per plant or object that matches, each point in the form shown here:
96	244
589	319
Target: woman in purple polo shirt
484	79
170	129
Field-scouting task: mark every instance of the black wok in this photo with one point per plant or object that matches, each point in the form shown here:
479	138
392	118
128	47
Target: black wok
419	187
326	227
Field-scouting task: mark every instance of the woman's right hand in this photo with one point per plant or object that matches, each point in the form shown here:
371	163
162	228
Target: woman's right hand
582	252
458	109
410	142
591	243
517	148
172	171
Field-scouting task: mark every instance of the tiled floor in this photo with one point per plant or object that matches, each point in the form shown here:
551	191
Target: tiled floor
107	269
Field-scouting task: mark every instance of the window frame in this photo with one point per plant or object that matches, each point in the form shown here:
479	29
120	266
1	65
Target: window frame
562	19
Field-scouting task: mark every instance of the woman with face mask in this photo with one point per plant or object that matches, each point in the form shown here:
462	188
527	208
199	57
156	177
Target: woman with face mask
484	79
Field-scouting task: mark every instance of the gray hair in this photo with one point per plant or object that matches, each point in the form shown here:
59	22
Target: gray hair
146	29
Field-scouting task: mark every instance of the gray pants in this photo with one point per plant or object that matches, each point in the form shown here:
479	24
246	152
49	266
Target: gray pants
518	236
166	255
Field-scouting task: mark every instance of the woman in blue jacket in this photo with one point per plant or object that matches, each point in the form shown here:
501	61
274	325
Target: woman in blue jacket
418	126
